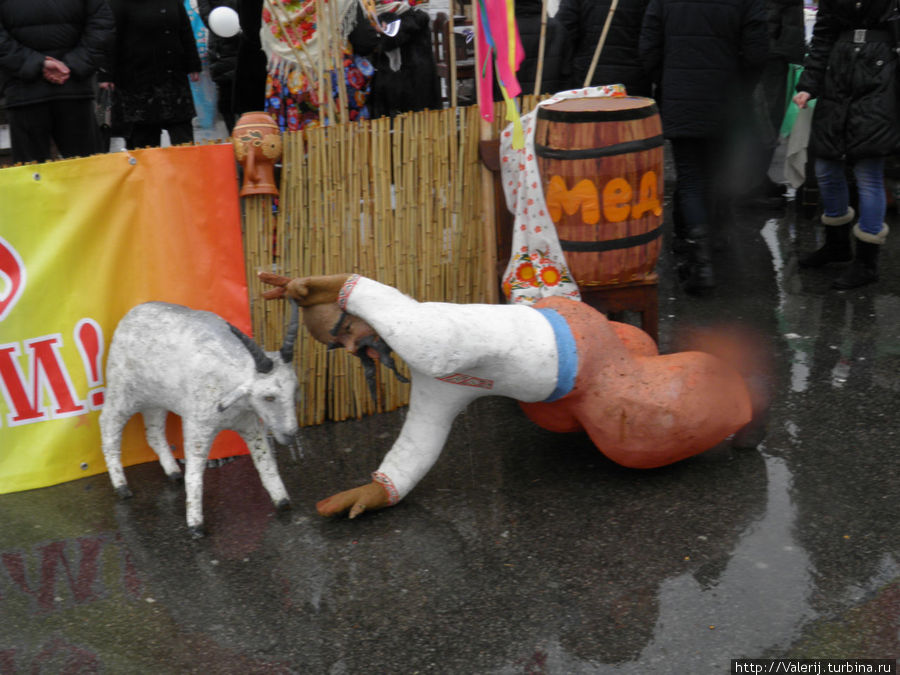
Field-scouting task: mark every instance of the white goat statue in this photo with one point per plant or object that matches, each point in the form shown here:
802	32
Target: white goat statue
166	357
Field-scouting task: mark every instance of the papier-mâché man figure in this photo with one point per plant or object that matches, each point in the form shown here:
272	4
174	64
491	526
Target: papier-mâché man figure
570	367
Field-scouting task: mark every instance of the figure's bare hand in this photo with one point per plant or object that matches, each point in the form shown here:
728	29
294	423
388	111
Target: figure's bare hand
358	500
276	280
306	290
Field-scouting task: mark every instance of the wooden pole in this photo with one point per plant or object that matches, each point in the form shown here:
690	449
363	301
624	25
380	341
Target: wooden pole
489	237
450	46
542	47
601	42
323	89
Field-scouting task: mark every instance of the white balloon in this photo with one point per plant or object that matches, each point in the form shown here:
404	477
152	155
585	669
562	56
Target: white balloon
224	22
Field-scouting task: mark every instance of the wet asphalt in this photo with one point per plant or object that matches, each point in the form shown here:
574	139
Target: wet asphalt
522	551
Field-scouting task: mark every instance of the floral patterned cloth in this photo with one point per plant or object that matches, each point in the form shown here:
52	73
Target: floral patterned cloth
295	105
537	267
290	39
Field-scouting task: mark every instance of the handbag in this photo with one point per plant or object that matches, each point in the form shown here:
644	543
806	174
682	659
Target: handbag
103	109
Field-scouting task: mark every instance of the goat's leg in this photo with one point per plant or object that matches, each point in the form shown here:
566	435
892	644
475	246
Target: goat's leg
112	422
155	428
196	450
264	460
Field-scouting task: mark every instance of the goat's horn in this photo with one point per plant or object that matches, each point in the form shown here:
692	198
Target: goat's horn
290	333
263	363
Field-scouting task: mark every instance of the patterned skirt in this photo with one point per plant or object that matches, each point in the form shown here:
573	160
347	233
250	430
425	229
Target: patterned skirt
295	104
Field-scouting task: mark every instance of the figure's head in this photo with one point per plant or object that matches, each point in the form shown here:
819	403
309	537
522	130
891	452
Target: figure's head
332	326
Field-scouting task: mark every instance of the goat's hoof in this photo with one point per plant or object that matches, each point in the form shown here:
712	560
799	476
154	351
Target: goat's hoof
197	531
283	505
175	477
124	492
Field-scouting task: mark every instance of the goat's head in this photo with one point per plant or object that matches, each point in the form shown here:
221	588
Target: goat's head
272	390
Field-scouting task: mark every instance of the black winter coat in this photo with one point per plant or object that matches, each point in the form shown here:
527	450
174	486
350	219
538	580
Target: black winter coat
557	50
79	33
250	73
155	52
415	85
618	62
705	56
854	84
787	30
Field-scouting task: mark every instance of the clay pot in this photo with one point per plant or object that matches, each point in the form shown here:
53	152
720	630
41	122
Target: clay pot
257	146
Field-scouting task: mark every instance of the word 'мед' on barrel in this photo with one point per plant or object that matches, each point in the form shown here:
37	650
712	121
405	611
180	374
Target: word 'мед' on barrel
601	165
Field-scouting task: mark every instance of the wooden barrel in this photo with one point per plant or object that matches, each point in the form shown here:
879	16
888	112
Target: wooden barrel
601	165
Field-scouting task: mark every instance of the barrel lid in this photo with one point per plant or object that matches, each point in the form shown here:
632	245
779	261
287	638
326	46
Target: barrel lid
598	108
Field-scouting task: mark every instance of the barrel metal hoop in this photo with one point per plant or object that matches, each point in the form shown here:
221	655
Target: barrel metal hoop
610	244
625	148
576	116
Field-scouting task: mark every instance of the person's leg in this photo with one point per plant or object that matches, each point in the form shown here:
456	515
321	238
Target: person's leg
871	231
837	217
225	106
832	186
869	175
693	187
29	132
774	80
180	132
75	129
690	183
768	106
143	135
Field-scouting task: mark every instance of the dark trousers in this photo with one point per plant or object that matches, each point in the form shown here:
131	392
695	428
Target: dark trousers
771	99
224	91
698	164
69	124
142	135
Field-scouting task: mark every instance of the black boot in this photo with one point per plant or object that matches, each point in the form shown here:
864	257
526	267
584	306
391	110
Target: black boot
864	269
837	248
698	276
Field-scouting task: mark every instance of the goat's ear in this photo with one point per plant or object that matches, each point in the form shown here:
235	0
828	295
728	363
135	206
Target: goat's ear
231	397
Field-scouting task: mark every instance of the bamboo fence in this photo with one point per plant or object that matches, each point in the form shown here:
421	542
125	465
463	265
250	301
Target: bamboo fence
398	200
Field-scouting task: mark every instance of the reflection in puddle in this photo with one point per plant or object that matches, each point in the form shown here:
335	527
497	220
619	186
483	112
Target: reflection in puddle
760	601
786	313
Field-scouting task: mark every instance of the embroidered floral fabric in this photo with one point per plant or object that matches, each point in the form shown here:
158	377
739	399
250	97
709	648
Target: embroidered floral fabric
537	267
295	105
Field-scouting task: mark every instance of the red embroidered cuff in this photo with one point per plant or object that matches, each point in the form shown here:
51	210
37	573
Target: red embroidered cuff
346	290
388	485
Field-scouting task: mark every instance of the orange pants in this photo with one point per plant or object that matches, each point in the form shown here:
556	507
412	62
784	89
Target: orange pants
642	409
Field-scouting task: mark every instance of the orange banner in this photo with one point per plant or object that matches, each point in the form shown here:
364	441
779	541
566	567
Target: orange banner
81	242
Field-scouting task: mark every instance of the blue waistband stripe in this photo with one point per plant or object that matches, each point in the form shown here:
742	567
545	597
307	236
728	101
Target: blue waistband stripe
567	354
